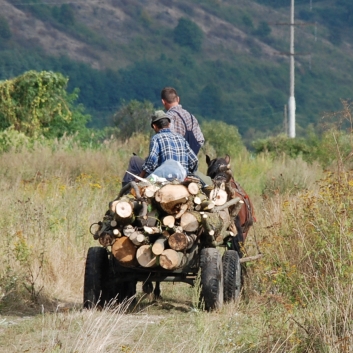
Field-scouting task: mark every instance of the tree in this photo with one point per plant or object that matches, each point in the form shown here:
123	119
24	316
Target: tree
211	101
64	14
5	32
132	118
224	138
36	103
188	34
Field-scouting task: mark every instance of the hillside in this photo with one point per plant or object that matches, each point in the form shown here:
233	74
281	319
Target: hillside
122	50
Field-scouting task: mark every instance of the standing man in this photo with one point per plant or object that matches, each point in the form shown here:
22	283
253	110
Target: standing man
182	122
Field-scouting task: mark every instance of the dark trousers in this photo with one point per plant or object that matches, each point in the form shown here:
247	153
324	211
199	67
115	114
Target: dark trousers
135	167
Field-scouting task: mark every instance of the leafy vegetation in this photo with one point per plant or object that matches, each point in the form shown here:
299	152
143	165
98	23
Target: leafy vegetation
133	118
36	103
5	31
239	89
188	34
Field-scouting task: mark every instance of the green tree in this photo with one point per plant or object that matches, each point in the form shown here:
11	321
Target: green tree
5	31
132	118
224	138
36	103
211	101
188	34
64	14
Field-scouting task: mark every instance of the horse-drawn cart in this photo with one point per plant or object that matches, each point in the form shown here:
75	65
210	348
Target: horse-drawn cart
168	231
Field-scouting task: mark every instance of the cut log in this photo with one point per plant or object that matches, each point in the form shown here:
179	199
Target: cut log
169	221
152	230
124	212
171	195
183	209
171	192
205	205
236	209
171	259
151	190
181	241
212	223
113	223
159	245
190	221
145	257
116	233
128	230
236	201
137	238
124	251
199	198
218	196
193	188
166	234
112	205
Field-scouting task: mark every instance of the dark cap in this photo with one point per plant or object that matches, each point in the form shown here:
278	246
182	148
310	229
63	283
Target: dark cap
158	115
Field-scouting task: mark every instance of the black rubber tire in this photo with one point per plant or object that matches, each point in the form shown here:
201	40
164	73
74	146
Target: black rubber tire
231	275
96	274
211	278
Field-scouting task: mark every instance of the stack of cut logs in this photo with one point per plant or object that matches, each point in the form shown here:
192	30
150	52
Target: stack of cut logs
163	225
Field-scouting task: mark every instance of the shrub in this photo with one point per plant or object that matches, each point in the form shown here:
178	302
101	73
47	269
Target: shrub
188	34
224	138
133	118
281	144
5	31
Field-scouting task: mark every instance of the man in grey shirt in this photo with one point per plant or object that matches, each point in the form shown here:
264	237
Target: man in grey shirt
182	122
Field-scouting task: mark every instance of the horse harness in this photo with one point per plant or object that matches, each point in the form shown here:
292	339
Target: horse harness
235	187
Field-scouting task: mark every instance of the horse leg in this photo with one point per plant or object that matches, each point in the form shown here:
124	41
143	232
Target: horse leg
157	291
238	238
147	287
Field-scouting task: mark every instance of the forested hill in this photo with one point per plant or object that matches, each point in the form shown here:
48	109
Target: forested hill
228	60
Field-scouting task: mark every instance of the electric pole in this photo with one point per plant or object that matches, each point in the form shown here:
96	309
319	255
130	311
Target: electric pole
291	101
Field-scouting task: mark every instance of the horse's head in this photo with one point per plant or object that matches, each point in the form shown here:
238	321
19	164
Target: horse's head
217	166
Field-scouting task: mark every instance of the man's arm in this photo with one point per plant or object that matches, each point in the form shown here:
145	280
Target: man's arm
151	162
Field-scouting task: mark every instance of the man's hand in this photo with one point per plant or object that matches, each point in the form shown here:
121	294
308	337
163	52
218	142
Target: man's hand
142	174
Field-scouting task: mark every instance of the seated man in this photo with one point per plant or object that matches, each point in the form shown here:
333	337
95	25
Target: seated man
165	145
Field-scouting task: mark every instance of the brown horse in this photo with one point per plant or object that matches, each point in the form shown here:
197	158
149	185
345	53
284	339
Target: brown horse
220	172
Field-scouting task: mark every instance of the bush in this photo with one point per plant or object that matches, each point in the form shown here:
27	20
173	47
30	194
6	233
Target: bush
188	34
224	138
281	144
132	118
5	31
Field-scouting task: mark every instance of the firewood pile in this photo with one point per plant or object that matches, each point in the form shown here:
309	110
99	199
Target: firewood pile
161	224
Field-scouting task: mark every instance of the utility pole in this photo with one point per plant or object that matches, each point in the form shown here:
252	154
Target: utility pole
291	101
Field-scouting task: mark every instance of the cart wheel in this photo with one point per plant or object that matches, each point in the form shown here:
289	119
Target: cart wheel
96	272
211	278
232	275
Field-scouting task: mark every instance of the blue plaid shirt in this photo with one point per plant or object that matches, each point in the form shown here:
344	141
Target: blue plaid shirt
168	145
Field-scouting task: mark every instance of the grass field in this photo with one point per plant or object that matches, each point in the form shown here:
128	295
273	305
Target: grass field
297	298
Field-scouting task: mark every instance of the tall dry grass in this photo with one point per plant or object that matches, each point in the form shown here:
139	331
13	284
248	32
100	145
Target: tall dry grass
296	299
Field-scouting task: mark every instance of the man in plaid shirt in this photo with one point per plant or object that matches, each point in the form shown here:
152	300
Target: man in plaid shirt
166	145
182	122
